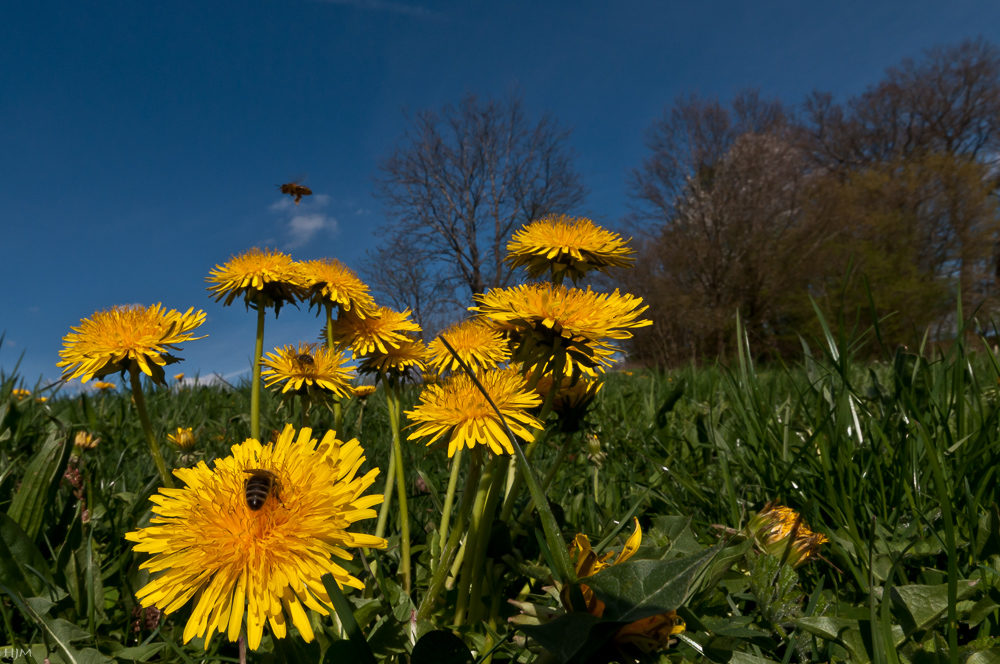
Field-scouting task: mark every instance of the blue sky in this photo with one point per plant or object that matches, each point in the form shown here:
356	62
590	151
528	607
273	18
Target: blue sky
140	141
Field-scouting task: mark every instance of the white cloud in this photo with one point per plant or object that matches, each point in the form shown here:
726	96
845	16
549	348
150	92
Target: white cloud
304	227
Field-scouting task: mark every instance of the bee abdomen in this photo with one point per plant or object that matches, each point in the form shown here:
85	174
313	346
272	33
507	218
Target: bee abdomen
257	491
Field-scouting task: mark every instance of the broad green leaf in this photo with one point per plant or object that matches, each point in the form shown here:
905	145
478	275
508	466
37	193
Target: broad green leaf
40	483
140	653
744	658
573	636
991	656
638	589
919	607
18	557
62	633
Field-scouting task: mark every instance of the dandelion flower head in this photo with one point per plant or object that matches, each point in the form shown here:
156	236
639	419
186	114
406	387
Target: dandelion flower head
568	247
364	391
396	361
263	278
103	385
308	367
184	438
458	410
209	546
330	282
783	533
385	329
479	345
123	338
84	441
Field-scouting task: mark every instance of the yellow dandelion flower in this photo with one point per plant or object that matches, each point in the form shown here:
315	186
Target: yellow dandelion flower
184	438
568	247
19	393
648	634
307	367
457	409
179	377
364	391
84	441
409	354
103	386
543	317
383	330
330	282
572	394
479	345
781	532
41	399
210	545
266	278
125	338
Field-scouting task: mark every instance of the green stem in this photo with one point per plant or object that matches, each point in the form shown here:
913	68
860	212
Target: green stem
390	482
443	566
549	476
449	498
483	540
304	400
147	428
338	420
404	516
472	541
515	487
258	352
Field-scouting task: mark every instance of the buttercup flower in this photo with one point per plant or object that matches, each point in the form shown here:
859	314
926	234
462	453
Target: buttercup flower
457	409
479	346
568	247
330	282
183	438
308	367
123	338
265	278
210	545
540	317
780	530
647	634
84	441
384	330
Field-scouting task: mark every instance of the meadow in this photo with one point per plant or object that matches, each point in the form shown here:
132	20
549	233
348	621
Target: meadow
892	460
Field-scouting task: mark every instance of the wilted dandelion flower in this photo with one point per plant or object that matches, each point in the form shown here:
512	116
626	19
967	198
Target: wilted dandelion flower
780	530
102	385
648	634
84	441
330	282
125	338
568	247
541	317
307	367
383	330
264	278
184	438
458	409
479	345
209	545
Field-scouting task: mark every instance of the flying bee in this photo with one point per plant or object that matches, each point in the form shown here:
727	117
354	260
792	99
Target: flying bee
295	190
260	486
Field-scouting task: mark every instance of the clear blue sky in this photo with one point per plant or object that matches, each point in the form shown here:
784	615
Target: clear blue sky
140	141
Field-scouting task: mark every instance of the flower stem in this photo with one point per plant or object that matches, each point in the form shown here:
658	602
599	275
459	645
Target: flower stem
515	487
449	498
338	420
390	482
404	516
147	427
485	530
255	385
465	579
443	566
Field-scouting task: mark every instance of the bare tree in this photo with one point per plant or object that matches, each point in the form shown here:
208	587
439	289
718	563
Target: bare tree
461	180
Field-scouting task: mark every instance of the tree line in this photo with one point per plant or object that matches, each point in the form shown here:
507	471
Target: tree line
881	207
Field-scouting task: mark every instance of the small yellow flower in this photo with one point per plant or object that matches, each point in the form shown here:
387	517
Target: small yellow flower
208	544
458	409
330	282
19	393
84	441
103	386
781	531
383	330
126	338
184	438
479	346
648	634
265	278
41	399
179	377
364	391
556	324
567	247
307	367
